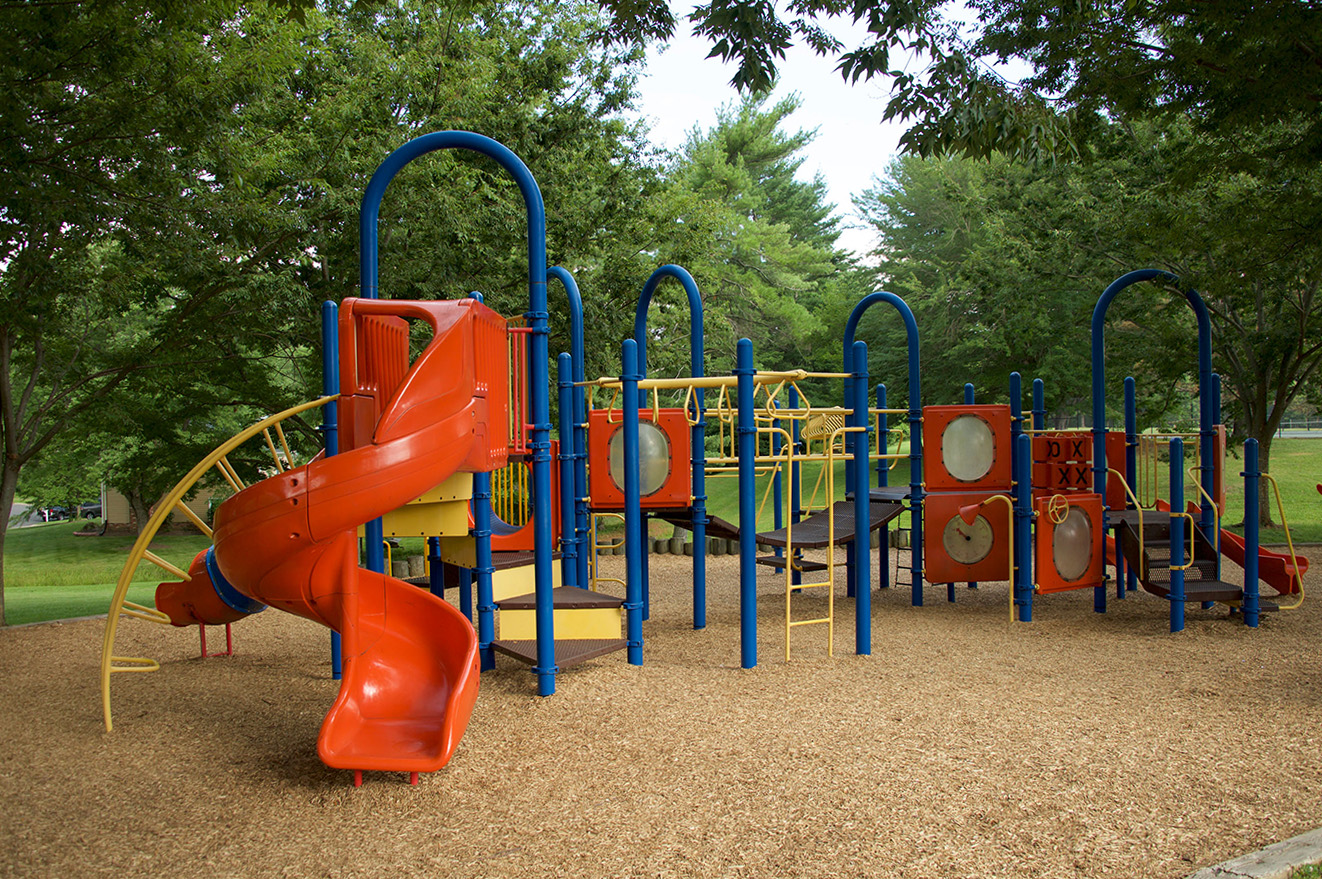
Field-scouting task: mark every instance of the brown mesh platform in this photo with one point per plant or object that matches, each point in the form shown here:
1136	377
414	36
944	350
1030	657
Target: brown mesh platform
563	597
567	653
813	532
716	526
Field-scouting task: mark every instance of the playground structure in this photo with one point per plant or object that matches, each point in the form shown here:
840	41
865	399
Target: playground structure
414	449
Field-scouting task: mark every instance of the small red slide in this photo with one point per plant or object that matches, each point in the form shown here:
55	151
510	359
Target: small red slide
1275	568
411	665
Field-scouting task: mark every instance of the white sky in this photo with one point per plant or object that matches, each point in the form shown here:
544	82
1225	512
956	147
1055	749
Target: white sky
682	90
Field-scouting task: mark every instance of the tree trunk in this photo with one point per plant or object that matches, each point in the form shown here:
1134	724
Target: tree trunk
8	487
140	508
1266	497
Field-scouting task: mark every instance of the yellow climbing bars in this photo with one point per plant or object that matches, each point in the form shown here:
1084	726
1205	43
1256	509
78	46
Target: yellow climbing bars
173	500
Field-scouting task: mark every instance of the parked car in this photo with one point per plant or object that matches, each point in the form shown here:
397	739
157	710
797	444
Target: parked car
89	510
54	514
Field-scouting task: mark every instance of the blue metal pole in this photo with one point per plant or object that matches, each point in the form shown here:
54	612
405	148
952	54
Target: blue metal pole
1018	453
915	422
698	431
568	543
579	431
485	570
1127	581
1251	476
862	507
1177	533
1016	408
747	431
796	484
538	379
1098	347
883	479
330	385
633	525
1039	405
1022	464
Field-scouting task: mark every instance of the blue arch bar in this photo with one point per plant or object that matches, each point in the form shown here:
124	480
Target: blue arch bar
538	356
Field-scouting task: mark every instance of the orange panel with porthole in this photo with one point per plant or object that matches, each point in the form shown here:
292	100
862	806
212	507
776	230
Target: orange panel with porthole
966	448
664	459
956	550
1069	552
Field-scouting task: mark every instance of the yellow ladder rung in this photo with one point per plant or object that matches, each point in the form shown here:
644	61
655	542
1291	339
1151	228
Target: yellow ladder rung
150	614
136	664
166	566
193	517
284	444
794	623
270	444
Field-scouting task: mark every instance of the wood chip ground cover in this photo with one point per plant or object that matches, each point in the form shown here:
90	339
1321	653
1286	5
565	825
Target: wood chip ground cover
1081	745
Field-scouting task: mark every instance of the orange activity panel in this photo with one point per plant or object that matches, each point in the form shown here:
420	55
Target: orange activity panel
1069	548
666	478
959	550
967	448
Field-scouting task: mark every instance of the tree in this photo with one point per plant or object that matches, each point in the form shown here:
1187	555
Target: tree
1229	66
181	181
1002	266
1006	263
760	242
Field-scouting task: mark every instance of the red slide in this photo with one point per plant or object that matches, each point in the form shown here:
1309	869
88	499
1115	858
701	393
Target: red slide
1274	568
410	659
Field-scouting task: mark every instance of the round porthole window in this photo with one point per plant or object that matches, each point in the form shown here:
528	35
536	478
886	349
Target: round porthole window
1071	545
968	448
653	458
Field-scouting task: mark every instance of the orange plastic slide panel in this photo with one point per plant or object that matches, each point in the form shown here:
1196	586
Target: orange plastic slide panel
664	459
1274	568
1069	554
1116	498
383	395
409	689
967	448
508	537
290	541
959	551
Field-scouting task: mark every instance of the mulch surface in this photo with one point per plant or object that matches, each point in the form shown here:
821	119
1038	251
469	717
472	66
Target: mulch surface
1078	745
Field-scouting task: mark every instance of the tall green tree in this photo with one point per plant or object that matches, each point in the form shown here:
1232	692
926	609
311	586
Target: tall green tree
759	240
123	241
182	182
1228	66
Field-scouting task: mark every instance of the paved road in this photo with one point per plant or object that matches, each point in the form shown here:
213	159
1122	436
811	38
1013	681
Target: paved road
23	515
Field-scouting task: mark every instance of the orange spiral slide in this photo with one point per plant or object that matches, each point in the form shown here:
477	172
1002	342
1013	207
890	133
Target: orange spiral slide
410	659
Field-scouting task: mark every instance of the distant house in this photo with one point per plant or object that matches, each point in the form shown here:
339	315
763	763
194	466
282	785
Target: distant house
119	515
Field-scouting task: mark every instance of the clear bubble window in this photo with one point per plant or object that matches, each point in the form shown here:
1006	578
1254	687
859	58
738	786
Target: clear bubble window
968	448
1071	545
653	458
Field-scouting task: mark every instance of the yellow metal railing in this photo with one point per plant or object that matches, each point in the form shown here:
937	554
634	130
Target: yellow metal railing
173	500
594	575
1289	542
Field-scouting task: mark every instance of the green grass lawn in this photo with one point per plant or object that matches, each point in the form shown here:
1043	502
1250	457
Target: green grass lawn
52	574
